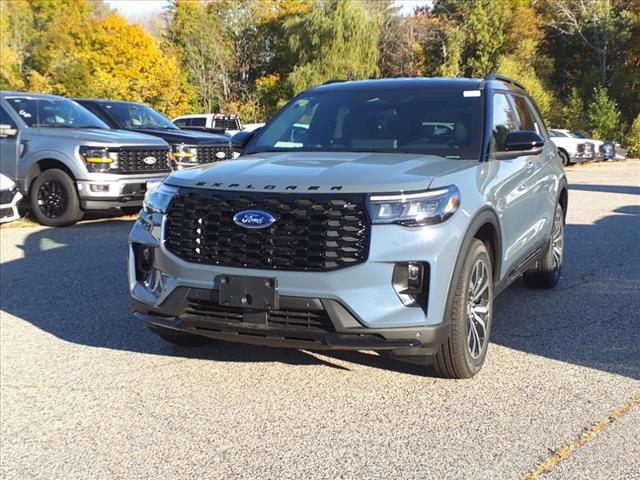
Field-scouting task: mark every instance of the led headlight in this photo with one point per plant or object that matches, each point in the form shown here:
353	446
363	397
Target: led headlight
158	199
183	154
99	159
415	209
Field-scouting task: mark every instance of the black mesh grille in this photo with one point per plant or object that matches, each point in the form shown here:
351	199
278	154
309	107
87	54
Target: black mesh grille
285	318
312	232
132	161
227	123
214	153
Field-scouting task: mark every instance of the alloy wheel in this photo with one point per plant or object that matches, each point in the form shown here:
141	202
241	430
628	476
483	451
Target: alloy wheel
52	199
478	308
557	243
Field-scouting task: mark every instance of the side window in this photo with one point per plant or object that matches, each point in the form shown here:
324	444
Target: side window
5	119
198	122
181	122
524	114
95	109
504	121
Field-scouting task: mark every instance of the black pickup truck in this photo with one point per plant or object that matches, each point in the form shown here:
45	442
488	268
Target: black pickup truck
188	148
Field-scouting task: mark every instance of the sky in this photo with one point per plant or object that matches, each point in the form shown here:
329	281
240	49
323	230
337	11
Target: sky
132	9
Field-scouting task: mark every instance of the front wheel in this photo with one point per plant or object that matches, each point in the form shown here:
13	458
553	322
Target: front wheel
463	353
546	273
565	158
54	199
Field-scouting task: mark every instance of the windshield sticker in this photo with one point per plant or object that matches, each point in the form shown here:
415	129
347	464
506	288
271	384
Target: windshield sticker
24	113
471	93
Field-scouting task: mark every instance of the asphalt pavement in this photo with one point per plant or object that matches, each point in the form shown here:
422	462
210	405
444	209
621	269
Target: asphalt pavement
87	393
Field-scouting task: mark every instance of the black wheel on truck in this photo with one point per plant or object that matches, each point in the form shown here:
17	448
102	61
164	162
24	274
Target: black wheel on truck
54	199
177	337
565	158
463	353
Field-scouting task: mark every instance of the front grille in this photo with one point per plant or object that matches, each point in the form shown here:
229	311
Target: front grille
313	233
289	318
6	196
132	160
210	154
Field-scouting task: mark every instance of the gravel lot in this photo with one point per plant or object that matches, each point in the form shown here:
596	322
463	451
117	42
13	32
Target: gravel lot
86	392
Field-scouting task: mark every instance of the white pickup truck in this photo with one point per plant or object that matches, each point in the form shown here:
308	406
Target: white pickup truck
214	123
572	149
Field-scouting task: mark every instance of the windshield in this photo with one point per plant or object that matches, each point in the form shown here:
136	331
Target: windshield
446	123
133	115
55	112
579	134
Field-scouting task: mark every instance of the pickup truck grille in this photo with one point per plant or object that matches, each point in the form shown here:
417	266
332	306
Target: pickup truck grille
214	153
312	233
132	160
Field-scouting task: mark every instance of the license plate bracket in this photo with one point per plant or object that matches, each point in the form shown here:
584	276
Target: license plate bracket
255	293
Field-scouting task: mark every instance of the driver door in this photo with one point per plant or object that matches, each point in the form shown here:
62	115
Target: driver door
9	146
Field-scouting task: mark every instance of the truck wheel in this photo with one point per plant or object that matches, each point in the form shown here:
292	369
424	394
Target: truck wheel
565	158
180	338
463	353
54	199
546	272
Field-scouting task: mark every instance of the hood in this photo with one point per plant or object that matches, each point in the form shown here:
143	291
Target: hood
102	135
188	137
320	172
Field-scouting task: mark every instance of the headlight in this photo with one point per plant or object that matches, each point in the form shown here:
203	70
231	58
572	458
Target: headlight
415	209
184	154
158	199
99	159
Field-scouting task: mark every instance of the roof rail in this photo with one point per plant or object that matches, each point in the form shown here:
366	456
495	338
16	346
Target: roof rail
333	80
502	78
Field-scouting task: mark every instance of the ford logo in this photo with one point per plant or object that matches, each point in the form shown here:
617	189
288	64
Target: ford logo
254	219
149	160
220	155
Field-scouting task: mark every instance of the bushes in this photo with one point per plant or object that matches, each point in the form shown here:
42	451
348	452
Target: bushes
603	116
633	139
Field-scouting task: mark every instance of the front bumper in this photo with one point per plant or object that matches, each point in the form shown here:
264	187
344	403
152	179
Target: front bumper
9	205
365	291
105	191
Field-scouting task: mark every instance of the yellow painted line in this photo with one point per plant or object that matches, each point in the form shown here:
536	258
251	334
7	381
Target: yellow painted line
591	433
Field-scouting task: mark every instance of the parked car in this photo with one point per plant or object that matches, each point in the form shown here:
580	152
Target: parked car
391	224
570	148
10	196
599	145
187	148
65	160
209	122
215	122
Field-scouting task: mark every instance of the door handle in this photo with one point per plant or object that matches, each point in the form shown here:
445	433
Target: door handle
531	165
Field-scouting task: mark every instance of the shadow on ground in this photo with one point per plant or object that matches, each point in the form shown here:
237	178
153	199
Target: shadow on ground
72	284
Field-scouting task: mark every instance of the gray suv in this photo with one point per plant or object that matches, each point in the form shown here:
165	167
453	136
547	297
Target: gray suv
65	160
373	215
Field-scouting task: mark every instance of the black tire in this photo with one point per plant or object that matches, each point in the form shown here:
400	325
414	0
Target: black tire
181	338
54	199
546	273
462	354
130	210
565	158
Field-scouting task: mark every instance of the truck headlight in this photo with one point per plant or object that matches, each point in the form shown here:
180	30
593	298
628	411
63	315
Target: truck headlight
415	209
158	199
99	159
183	154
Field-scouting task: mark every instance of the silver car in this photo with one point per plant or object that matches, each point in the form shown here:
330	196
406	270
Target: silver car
65	160
389	222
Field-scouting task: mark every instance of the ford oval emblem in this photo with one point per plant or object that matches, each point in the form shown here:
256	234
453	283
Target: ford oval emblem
149	160
221	155
254	219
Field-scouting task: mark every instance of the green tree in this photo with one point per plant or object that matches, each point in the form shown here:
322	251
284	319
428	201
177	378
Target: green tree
633	139
573	114
337	39
486	27
604	116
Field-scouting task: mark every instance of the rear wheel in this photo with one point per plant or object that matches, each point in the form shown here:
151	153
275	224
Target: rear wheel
54	199
546	272
183	339
565	158
463	353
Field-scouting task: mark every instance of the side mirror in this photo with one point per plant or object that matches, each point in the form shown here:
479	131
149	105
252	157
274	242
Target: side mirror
241	139
523	140
7	131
